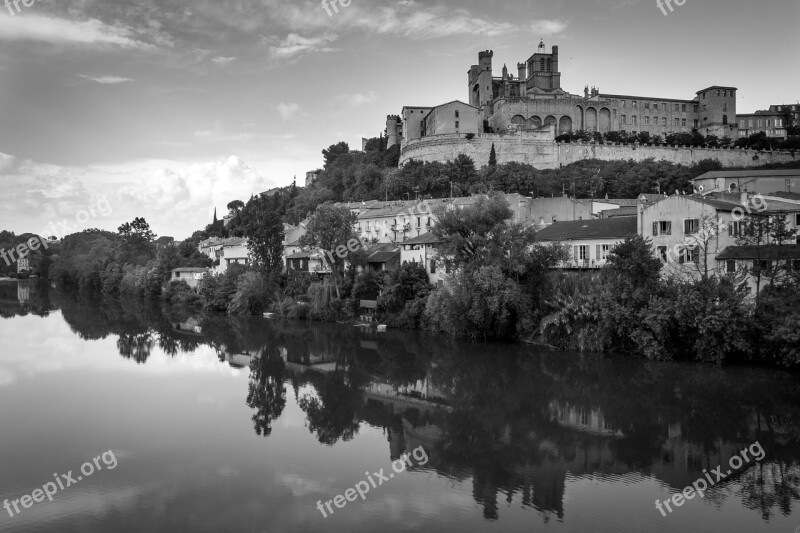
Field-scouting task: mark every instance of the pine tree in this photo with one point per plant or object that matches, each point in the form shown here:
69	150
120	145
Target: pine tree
492	157
215	217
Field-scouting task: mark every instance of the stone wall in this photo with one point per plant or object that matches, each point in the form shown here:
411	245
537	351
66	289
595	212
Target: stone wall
538	149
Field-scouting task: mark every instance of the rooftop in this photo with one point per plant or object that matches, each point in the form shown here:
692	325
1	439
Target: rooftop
771	252
576	230
792	172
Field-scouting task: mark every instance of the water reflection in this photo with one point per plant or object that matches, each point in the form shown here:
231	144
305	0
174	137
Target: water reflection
518	425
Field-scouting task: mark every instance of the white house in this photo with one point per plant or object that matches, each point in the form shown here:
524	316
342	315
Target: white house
590	241
422	251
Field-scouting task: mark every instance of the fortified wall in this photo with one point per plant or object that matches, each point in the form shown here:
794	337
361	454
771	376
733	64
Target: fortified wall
541	151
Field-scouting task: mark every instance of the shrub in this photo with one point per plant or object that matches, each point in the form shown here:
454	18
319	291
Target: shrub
252	295
179	293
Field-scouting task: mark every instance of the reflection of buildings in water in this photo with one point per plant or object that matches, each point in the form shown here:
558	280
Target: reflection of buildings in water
191	327
23	292
241	360
589	420
420	395
317	361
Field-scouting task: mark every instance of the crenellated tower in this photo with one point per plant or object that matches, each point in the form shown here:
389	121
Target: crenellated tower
480	80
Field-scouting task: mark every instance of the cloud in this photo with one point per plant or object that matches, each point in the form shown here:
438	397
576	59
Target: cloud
548	27
105	80
222	61
358	99
289	110
296	45
54	30
176	198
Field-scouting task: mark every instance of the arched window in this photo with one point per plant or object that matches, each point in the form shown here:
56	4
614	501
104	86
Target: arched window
724	120
542	65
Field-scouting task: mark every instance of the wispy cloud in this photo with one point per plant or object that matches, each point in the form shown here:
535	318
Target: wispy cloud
222	61
358	99
55	30
295	45
105	80
547	28
289	110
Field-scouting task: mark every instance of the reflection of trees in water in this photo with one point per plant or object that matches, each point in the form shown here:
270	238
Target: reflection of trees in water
266	391
502	430
773	484
136	347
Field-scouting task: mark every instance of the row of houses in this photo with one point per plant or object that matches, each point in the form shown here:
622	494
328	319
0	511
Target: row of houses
691	233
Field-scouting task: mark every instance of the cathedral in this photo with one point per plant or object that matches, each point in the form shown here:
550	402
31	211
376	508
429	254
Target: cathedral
533	103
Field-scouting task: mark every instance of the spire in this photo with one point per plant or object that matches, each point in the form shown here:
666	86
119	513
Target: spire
215	216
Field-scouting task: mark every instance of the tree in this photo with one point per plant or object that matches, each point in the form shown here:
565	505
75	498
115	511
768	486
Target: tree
333	152
492	157
329	228
235	207
780	235
264	231
136	231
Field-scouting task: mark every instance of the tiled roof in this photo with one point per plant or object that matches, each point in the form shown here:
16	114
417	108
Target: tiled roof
425	238
382	257
575	230
792	172
299	255
767	252
191	269
627	202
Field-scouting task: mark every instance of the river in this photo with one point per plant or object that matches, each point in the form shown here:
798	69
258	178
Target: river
177	421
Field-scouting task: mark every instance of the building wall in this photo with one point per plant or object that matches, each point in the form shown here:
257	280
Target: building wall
413	122
545	211
594	252
763	185
454	117
535	149
233	255
423	254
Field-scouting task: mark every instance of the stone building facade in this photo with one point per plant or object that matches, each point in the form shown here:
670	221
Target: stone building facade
534	99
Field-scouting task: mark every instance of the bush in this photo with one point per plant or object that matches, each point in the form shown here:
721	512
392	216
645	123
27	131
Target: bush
179	293
252	295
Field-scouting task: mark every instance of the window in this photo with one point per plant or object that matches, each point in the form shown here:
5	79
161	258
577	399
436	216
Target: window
433	266
419	222
778	123
675	107
683	122
691	226
797	220
662	227
690	254
633	104
581	253
762	264
663	121
696	123
624	119
736	229
623	103
677	122
662	253
717	92
603	250
456	124
730	267
647	121
647	105
749	122
683	108
456	113
741	123
635	121
724	107
655	106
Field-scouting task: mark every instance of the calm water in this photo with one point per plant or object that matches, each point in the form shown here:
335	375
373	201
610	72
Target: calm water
229	425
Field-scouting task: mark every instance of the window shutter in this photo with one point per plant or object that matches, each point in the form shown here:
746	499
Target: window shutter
576	252
655	229
669	228
686	227
598	256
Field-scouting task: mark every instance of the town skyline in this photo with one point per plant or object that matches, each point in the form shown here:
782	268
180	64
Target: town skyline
188	107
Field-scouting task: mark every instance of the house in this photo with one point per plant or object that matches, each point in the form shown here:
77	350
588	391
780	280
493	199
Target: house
384	258
546	211
191	275
690	233
233	251
590	241
422	250
752	181
765	257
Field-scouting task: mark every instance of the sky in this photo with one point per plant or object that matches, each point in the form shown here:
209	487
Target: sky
170	109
